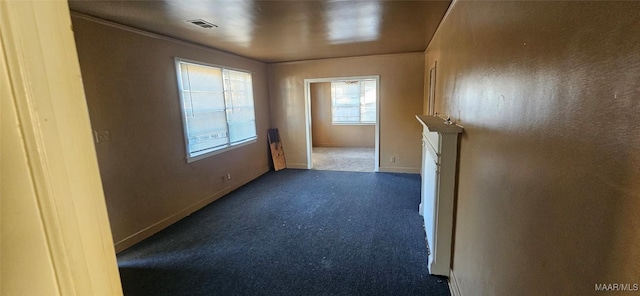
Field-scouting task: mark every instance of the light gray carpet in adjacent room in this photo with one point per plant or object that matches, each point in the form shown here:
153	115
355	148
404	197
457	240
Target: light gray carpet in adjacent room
343	159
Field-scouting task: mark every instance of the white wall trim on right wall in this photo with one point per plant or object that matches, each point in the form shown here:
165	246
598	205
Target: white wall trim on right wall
453	284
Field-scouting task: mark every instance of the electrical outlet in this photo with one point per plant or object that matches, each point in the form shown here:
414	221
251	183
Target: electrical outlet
392	159
102	136
228	176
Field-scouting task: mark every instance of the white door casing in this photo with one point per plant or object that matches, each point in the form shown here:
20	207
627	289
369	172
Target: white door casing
48	168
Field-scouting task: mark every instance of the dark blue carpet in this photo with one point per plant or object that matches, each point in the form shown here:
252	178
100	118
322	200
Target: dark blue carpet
293	232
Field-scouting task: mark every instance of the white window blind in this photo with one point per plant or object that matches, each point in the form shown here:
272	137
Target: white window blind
353	102
218	109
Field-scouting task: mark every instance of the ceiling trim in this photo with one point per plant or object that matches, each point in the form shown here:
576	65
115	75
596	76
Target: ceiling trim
349	57
211	49
444	18
156	35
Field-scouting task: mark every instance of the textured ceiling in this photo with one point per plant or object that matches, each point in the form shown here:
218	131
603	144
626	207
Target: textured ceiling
279	31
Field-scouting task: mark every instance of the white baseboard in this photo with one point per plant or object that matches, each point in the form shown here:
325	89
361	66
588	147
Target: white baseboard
164	223
453	284
301	166
402	170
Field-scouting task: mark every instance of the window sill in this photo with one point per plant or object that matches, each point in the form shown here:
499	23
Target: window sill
355	123
191	159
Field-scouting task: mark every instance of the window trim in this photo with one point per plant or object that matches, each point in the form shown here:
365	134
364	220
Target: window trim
359	123
191	158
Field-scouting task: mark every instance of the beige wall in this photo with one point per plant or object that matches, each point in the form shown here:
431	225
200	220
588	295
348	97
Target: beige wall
324	133
549	96
131	90
401	87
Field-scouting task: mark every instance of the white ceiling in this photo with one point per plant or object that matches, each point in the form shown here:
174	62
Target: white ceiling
279	31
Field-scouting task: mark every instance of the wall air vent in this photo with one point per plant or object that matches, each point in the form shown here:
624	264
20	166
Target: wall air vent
202	23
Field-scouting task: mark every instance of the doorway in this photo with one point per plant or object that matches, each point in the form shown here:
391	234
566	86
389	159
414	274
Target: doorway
342	123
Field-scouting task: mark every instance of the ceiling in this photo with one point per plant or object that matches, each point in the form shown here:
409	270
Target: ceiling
280	31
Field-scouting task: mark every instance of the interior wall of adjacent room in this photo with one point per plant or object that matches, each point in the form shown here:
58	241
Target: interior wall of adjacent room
548	190
401	87
325	133
131	89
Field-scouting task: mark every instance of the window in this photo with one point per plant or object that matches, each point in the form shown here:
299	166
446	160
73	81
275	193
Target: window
353	102
217	108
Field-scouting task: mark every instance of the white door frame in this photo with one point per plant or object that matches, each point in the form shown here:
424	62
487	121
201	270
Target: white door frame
49	162
308	120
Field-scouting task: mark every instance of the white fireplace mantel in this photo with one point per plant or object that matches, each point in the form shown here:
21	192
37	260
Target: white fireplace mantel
439	157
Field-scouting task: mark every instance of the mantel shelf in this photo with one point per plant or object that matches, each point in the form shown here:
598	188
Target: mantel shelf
437	124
